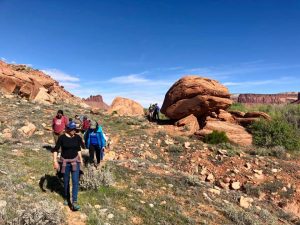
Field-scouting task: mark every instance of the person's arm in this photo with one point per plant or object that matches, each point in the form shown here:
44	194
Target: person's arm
55	163
53	124
54	151
80	157
79	151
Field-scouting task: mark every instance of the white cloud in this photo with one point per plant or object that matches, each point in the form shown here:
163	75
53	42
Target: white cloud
282	80
69	85
3	59
60	76
130	79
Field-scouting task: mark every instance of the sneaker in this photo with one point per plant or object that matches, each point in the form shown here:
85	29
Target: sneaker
66	202
75	206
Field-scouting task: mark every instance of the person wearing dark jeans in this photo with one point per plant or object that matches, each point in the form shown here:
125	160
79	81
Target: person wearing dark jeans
71	159
95	142
156	112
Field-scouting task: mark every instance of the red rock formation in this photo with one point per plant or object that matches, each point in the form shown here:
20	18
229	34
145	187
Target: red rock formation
126	107
33	84
280	98
96	102
195	95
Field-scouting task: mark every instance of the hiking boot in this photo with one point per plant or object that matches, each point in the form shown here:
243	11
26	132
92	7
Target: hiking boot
75	206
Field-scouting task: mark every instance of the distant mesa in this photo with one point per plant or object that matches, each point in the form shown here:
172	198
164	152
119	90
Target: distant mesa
126	107
34	85
96	101
280	98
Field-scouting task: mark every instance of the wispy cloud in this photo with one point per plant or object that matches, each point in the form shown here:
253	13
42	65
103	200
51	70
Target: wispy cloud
224	71
130	79
60	76
281	80
70	85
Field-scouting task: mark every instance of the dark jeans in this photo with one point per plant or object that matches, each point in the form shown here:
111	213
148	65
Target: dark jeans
156	115
95	149
75	182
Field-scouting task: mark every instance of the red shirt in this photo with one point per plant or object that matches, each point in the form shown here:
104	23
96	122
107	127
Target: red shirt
59	125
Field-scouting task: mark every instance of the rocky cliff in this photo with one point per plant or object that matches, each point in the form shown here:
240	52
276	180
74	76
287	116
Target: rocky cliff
33	84
96	102
280	98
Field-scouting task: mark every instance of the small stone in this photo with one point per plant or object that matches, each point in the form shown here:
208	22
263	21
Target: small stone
226	180
245	202
236	185
170	185
187	145
163	203
284	189
210	177
142	202
274	170
214	191
110	216
140	191
222	152
97	206
151	205
203	171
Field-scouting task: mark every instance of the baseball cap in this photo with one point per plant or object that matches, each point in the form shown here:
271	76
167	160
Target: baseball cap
71	125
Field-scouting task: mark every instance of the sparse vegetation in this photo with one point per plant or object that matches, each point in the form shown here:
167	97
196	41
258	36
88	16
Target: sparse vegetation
216	137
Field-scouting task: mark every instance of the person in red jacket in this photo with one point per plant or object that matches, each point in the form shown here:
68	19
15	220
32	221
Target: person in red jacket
85	124
59	124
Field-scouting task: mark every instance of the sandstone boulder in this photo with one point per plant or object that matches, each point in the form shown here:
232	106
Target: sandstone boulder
226	116
27	130
237	113
195	95
190	122
126	107
235	133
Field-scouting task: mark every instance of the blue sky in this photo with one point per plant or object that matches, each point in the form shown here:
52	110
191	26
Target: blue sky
139	48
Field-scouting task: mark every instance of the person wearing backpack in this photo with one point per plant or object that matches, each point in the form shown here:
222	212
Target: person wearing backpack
95	142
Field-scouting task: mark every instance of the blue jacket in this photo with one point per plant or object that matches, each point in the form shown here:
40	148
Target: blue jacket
100	137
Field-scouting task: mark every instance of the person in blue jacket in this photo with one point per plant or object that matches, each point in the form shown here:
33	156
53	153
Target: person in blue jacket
95	142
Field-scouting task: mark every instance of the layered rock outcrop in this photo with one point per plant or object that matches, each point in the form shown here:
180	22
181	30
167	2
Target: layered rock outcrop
201	104
33	85
126	107
96	102
280	98
195	95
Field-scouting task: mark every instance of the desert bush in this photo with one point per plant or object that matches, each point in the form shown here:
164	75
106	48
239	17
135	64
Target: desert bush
94	179
216	137
175	148
275	133
277	151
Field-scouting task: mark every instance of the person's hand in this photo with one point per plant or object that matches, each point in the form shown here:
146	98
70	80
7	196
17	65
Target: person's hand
55	165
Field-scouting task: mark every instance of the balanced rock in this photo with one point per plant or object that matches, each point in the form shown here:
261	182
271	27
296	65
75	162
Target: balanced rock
195	95
126	107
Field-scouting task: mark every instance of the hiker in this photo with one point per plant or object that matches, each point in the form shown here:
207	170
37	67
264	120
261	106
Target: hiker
95	142
151	110
85	124
78	123
156	112
70	162
59	124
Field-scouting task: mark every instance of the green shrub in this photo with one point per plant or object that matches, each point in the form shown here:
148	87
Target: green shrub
273	133
216	137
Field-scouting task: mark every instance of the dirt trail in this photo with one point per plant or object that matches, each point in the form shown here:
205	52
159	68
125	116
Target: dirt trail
74	218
